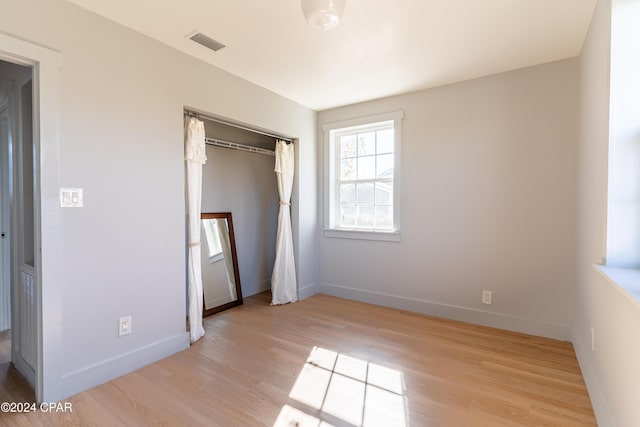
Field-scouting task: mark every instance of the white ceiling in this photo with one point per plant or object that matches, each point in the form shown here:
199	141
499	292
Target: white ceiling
381	48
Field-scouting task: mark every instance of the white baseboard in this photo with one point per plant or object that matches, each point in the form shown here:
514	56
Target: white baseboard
308	291
600	407
463	314
99	373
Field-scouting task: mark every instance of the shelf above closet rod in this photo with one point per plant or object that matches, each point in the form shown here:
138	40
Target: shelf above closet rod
241	147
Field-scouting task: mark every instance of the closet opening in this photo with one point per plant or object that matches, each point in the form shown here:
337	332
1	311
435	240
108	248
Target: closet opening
239	177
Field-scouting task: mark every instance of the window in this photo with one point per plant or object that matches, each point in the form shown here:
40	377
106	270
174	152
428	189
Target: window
623	204
623	213
212	238
362	159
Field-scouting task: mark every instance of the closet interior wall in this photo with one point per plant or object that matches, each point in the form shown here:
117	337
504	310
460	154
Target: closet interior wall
244	184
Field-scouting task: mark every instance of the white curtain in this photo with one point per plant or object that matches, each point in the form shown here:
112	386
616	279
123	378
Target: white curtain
283	279
195	156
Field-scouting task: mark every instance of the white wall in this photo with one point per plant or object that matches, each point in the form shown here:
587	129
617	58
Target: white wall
121	102
488	202
612	370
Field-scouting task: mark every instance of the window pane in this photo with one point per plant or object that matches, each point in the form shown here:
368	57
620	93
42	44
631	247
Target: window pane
347	194
347	217
348	146
366	144
384	217
366	167
384	165
366	216
384	193
385	141
365	194
348	168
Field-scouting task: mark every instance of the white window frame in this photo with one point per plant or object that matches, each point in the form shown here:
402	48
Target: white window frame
622	263
331	200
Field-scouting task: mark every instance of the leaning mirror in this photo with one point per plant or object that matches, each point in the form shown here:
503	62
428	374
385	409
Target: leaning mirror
220	276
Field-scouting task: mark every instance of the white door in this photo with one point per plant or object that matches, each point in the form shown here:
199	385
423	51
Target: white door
24	331
5	225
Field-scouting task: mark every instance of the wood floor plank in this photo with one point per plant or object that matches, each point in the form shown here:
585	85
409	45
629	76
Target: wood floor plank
244	370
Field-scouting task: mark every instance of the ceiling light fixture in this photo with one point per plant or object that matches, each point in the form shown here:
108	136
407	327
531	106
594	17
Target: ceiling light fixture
323	14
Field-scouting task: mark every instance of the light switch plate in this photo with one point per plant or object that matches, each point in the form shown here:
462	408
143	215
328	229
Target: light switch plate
71	198
124	326
486	297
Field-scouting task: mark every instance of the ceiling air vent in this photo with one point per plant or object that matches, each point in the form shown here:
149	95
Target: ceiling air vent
207	42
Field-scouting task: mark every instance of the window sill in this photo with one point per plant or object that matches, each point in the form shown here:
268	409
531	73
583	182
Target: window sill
217	257
627	280
387	236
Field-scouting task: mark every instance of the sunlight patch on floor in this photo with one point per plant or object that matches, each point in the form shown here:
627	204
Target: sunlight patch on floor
311	386
334	386
291	417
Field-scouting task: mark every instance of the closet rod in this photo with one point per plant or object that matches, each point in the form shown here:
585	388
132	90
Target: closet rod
213	119
236	146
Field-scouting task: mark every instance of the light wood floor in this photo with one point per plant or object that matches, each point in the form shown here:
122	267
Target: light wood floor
13	386
244	370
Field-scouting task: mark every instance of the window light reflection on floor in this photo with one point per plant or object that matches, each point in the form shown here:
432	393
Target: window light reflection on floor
343	389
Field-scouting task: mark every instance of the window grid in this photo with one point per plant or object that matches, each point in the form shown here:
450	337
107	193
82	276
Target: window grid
364	179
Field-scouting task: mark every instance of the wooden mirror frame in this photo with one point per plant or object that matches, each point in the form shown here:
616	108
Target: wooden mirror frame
236	271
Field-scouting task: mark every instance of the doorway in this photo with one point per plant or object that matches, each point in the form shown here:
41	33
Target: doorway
18	279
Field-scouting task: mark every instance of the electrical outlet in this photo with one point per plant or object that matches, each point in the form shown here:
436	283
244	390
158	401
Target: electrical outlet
124	326
486	297
593	339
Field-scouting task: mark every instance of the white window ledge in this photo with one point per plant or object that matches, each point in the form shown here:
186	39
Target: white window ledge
389	236
215	258
627	280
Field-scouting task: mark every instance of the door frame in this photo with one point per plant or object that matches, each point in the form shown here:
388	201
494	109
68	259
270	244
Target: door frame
45	64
